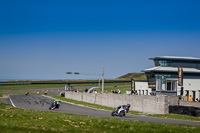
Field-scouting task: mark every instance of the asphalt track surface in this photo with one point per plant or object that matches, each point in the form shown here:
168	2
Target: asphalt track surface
38	102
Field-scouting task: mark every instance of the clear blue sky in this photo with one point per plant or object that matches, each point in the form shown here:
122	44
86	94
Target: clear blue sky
43	39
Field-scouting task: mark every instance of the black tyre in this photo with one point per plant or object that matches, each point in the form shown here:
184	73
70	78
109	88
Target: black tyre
113	113
122	113
49	108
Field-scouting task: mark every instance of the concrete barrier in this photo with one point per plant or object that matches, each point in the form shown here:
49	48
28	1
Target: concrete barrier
142	103
178	106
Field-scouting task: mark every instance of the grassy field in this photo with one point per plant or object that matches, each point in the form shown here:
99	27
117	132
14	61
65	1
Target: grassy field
113	81
47	86
36	86
110	89
23	120
28	87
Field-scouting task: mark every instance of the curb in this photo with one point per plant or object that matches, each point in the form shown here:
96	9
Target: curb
11	101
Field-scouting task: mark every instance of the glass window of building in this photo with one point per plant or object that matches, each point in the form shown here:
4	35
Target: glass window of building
162	62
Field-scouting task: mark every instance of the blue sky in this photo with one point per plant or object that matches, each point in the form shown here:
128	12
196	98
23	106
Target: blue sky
43	39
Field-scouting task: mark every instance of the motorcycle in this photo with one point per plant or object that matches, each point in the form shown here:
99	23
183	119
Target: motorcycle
27	93
54	105
121	110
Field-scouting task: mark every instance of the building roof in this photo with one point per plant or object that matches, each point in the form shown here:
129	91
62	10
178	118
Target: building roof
171	69
176	58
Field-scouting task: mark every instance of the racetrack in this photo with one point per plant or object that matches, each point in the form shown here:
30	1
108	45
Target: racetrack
43	103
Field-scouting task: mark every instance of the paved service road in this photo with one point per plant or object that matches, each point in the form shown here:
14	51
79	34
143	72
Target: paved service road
38	102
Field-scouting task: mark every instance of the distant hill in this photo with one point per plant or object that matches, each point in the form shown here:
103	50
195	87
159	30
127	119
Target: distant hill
135	76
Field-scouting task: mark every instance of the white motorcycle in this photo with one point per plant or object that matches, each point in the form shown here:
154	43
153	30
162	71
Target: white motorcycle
121	110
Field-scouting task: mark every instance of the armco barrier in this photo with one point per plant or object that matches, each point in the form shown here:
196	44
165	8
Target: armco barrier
142	103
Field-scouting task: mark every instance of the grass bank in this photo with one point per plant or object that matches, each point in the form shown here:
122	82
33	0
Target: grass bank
22	120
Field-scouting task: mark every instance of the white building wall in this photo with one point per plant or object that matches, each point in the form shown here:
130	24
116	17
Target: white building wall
191	85
142	88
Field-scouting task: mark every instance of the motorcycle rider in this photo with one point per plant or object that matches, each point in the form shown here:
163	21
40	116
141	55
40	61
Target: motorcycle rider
55	104
127	107
58	103
118	108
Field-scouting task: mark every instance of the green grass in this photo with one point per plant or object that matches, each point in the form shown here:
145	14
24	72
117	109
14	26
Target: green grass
169	116
110	89
175	116
47	86
123	89
23	121
68	81
36	86
33	86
